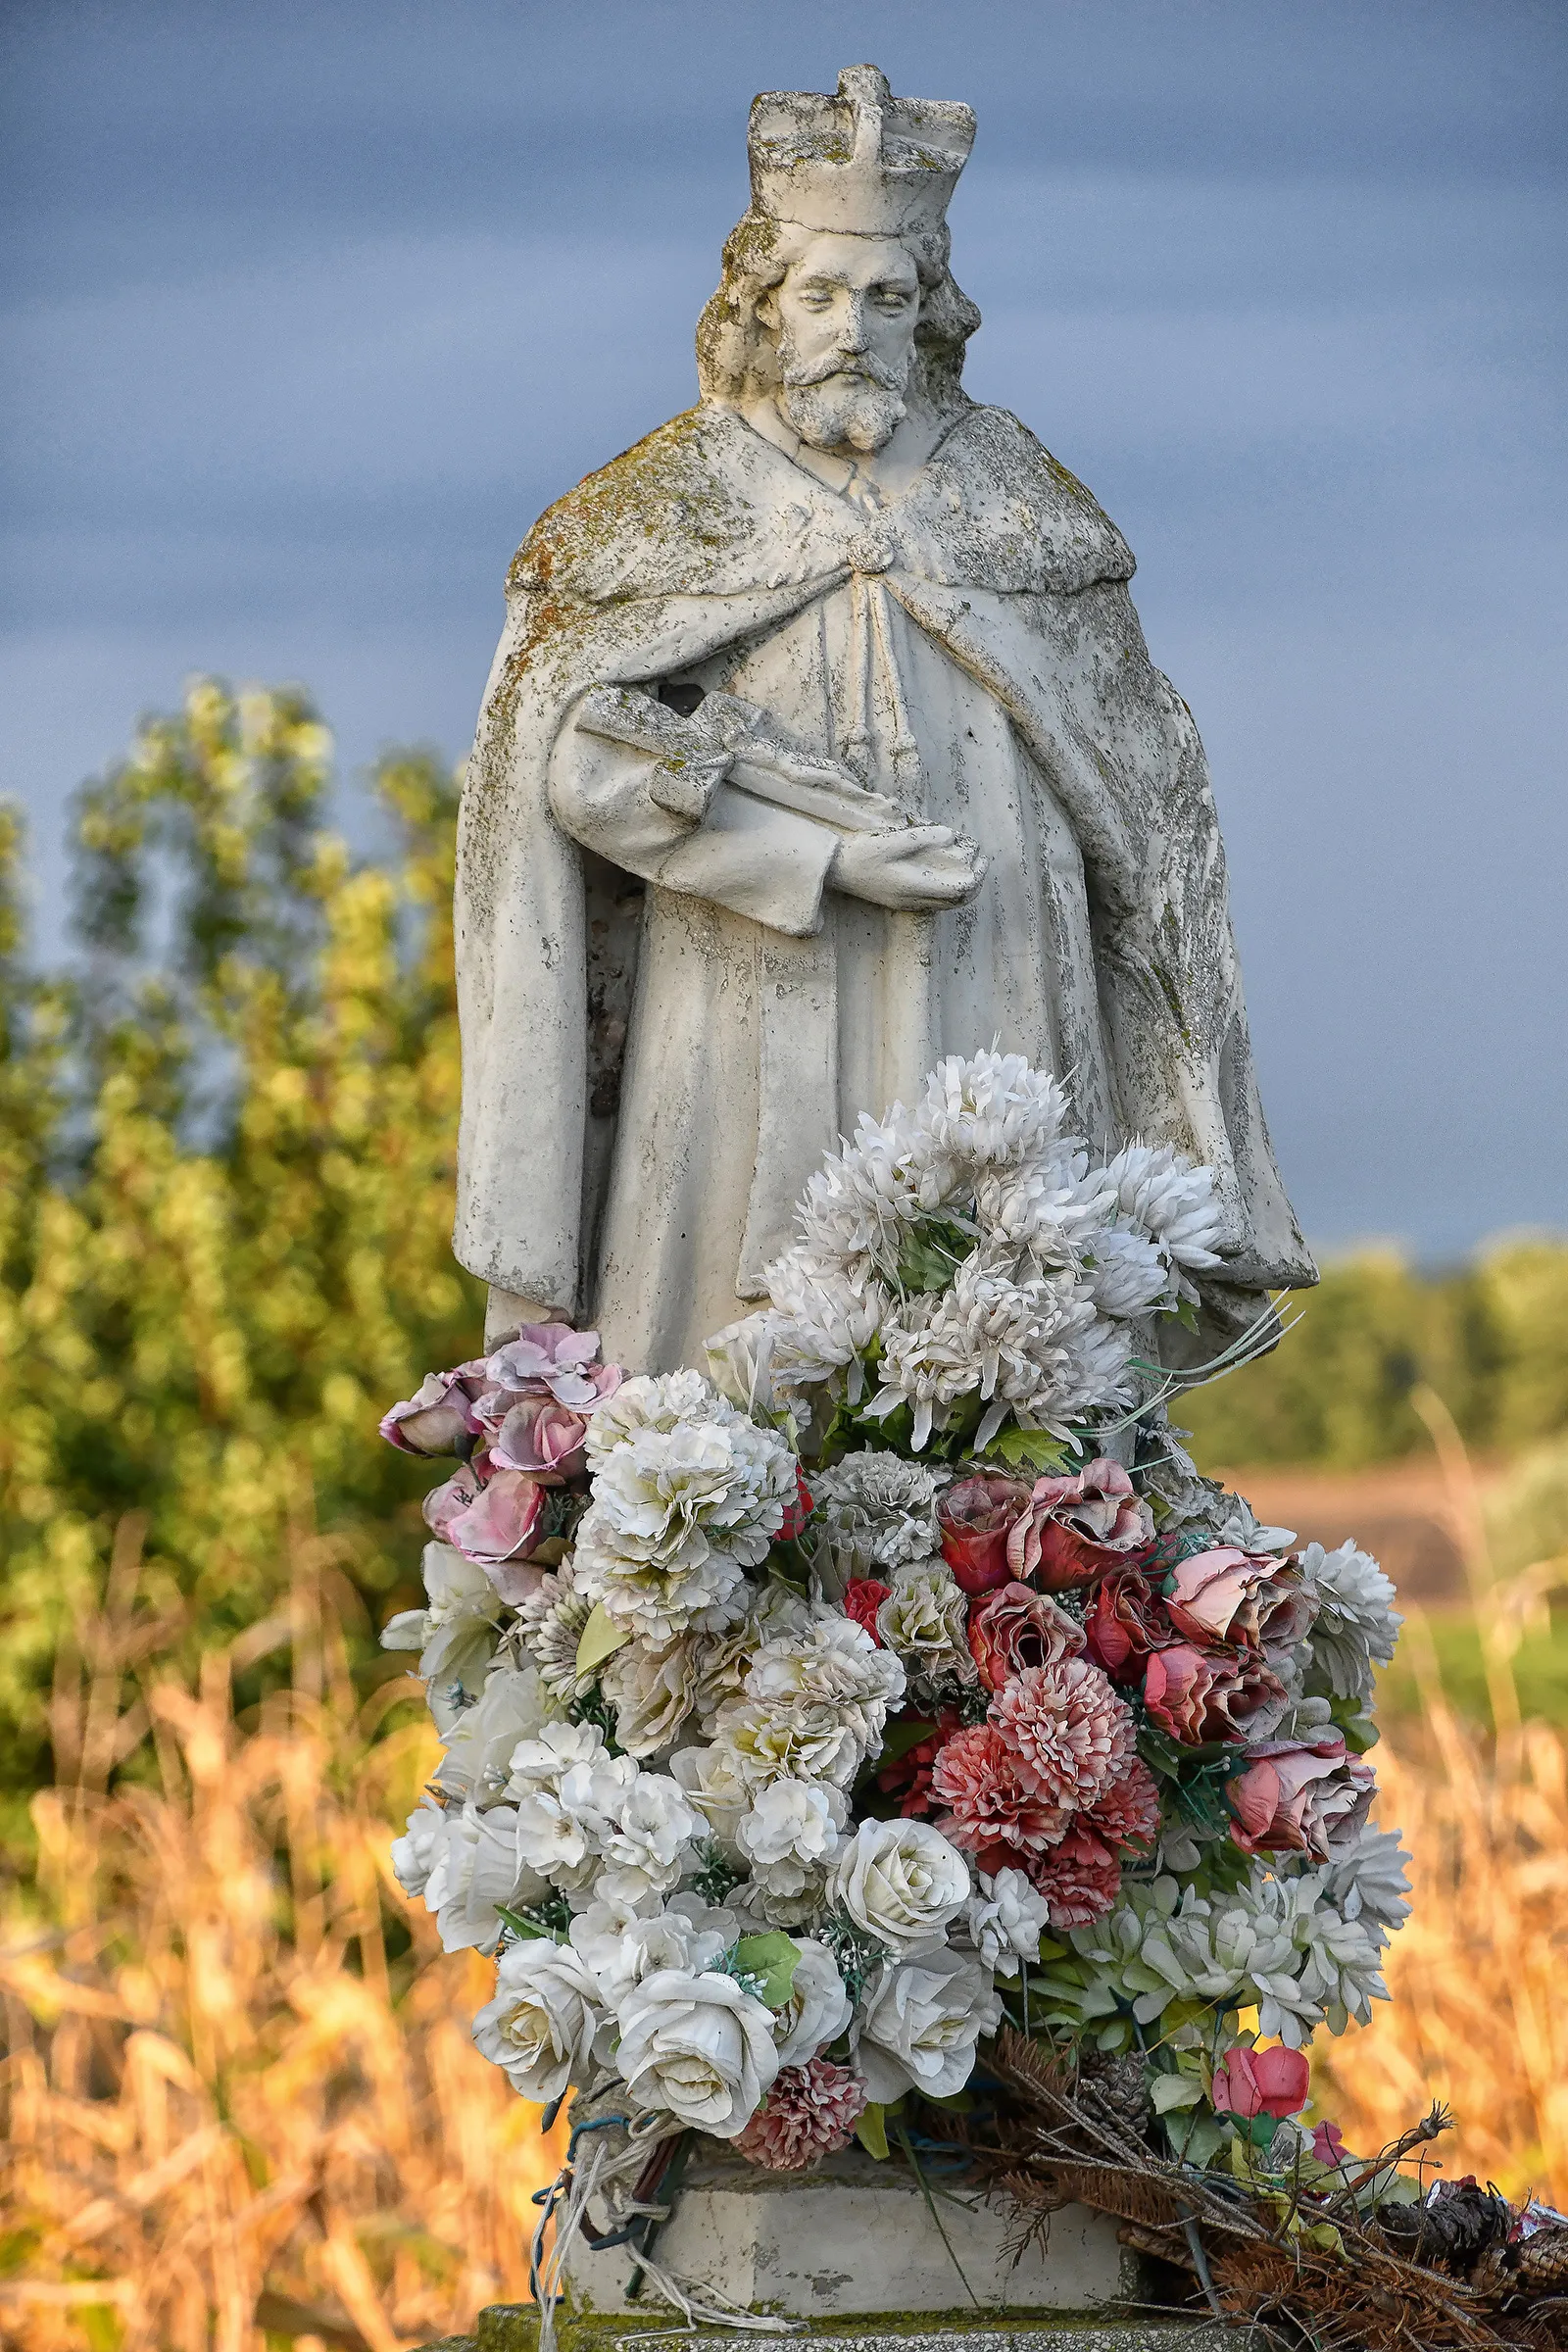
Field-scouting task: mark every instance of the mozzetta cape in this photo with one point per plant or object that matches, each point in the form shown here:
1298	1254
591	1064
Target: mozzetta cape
703	535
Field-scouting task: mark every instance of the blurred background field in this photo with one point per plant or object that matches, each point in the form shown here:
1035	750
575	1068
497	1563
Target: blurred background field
240	2100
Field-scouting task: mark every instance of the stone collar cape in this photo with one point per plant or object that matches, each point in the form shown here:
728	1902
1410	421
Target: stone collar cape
705	533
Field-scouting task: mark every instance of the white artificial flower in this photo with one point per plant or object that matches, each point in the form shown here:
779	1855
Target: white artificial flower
456	1635
860	1204
824	1319
818	2008
570	1793
924	1621
990	1111
416	1853
1003	1920
833	1662
1055	1208
1127	1276
540	2027
697	2047
1092	1373
658	1402
789	1838
1016	1341
647	1850
1172	1200
740	1360
550	1623
873	1512
653	1690
714	1784
1369	1882
920	2022
620	1949
677	1516
512	1707
1357	1624
901	1881
755	1743
476	1869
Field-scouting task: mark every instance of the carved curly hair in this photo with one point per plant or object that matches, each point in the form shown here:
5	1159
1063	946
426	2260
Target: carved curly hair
736	354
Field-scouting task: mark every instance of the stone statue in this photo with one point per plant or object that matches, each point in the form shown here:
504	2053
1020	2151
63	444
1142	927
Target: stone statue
822	741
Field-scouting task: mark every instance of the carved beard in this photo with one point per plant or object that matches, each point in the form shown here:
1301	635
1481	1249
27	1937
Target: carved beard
842	403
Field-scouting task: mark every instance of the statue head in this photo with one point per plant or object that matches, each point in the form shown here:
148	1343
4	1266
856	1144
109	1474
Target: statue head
836	296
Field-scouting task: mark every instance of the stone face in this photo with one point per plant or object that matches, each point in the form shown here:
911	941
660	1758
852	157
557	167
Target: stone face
824	741
857	2237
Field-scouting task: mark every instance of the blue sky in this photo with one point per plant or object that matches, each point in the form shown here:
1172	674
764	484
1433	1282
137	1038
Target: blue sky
309	310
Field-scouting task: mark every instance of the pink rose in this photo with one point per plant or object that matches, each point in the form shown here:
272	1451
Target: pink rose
975	1518
1299	1797
1016	1627
1202	1695
1274	2082
861	1601
501	1522
542	1437
1125	1620
1247	1598
1076	1529
553	1359
439	1415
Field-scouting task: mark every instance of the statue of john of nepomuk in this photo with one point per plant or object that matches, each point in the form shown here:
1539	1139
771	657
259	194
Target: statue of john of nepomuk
822	741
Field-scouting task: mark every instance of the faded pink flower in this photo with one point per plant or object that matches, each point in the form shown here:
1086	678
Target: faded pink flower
1202	1695
501	1522
1124	1620
551	1359
542	1437
440	1413
1273	2082
1251	1598
1078	1878
975	1519
1016	1627
1298	1796
997	1810
1076	1529
1327	2144
1069	1729
810	2112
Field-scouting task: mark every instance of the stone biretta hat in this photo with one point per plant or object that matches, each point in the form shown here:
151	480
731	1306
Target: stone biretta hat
863	162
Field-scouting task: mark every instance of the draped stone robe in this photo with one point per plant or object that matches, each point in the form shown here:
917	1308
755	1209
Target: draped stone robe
665	1026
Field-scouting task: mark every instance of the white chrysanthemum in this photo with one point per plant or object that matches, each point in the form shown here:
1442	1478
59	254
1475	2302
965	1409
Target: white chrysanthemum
512	1706
921	2020
925	1619
1004	1920
1093	1374
823	1318
677	1516
859	1202
1356	1623
1035	1346
990	1111
876	1512
1127	1276
1055	1208
549	1625
1172	1200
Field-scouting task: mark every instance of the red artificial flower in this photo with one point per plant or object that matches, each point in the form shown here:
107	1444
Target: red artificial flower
1077	1529
1071	1730
909	1779
996	1809
1202	1695
1078	1878
1016	1626
796	1513
976	1518
1300	1796
1128	1813
862	1602
1124	1620
1274	2082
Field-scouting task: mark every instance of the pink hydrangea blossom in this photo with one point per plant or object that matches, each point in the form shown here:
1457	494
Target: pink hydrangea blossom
553	1359
1069	1729
1077	1529
996	1808
810	2112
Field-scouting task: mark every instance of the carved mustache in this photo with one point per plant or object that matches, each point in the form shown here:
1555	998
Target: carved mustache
863	363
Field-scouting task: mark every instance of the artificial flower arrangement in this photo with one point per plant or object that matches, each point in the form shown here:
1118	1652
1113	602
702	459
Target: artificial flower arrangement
896	1678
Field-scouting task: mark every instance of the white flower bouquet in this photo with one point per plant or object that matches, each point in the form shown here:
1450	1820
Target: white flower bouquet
805	1717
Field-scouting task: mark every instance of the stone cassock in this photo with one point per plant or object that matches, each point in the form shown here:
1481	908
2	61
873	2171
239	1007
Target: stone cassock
822	741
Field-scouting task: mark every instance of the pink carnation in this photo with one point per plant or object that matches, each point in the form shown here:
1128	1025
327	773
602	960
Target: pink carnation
996	1809
1071	1732
1078	1878
810	2112
1128	1814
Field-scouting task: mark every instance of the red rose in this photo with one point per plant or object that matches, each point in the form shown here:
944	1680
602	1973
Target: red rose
1015	1628
1201	1694
1124	1620
1249	1598
1299	1796
1249	2083
976	1517
862	1602
1076	1529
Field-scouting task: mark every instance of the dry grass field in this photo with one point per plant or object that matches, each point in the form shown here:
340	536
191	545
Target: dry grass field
241	2102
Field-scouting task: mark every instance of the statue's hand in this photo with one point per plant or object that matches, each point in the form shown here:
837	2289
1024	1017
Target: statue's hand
915	871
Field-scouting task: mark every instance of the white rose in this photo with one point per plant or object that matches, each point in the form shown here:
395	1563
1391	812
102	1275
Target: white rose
540	2027
414	1854
511	1707
712	1783
1005	1921
902	1881
921	2025
456	1635
693	2045
818	2008
476	1869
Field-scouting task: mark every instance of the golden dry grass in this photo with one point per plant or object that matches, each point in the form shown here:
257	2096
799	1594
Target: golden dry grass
231	2110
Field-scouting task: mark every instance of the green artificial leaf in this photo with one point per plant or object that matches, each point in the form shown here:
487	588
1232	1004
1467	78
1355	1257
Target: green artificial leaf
1033	1449
956	2102
599	1639
872	2132
900	1738
526	1928
932	1253
1195	2138
1169	2091
773	1959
